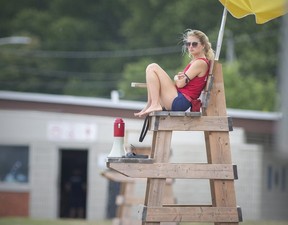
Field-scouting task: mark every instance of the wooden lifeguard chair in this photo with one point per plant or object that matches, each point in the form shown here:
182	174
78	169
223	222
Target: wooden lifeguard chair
215	124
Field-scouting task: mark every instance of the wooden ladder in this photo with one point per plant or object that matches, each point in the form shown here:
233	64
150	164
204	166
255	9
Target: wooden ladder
218	169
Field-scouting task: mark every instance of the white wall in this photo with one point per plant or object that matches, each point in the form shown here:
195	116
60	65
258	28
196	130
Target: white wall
274	198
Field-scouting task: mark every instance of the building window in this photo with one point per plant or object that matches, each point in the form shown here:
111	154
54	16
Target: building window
14	164
277	178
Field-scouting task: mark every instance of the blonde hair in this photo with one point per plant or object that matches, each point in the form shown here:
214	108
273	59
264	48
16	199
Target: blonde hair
208	51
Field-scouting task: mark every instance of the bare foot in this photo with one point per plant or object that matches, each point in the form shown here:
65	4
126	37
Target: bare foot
150	109
143	110
139	113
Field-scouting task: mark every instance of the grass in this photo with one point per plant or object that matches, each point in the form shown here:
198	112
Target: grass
26	221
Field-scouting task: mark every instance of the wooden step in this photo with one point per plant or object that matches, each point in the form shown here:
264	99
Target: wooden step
176	170
190	123
190	214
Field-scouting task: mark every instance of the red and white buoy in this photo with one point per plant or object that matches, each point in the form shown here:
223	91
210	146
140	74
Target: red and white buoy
118	149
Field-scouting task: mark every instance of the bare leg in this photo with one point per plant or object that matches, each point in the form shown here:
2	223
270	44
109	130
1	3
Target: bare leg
161	90
146	107
148	102
153	85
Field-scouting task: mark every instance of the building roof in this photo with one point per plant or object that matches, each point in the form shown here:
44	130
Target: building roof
253	121
70	100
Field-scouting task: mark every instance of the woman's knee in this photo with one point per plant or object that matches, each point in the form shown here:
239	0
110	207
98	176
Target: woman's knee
152	67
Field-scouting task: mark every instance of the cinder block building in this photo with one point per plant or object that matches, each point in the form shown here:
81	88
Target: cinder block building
45	138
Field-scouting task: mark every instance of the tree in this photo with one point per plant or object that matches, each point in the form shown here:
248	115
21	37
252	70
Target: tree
248	92
91	48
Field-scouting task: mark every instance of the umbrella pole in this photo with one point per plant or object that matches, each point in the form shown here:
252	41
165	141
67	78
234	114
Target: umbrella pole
220	35
282	129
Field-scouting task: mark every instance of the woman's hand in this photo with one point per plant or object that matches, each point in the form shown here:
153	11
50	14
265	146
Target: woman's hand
179	76
180	80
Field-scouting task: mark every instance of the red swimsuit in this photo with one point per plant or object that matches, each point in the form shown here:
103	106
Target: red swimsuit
194	88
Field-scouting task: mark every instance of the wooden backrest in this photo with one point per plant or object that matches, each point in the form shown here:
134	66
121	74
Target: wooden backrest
206	91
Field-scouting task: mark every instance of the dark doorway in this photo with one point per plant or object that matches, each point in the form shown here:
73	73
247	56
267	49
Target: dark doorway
73	183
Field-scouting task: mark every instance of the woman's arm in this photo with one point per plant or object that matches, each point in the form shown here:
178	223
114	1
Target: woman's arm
197	68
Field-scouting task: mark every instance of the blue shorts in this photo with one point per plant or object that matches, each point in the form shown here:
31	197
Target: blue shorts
180	103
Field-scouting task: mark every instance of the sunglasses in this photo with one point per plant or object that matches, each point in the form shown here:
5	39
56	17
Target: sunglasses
194	44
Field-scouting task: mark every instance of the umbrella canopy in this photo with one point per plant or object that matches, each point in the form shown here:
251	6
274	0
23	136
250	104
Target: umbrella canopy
264	10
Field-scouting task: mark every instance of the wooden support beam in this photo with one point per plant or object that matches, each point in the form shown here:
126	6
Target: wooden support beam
176	170
129	200
184	123
118	177
218	146
191	214
155	188
140	85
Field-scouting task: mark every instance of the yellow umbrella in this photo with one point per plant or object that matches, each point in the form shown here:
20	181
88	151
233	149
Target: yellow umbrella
264	10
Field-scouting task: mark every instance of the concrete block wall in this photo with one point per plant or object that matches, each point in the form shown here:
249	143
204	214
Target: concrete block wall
44	167
274	188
